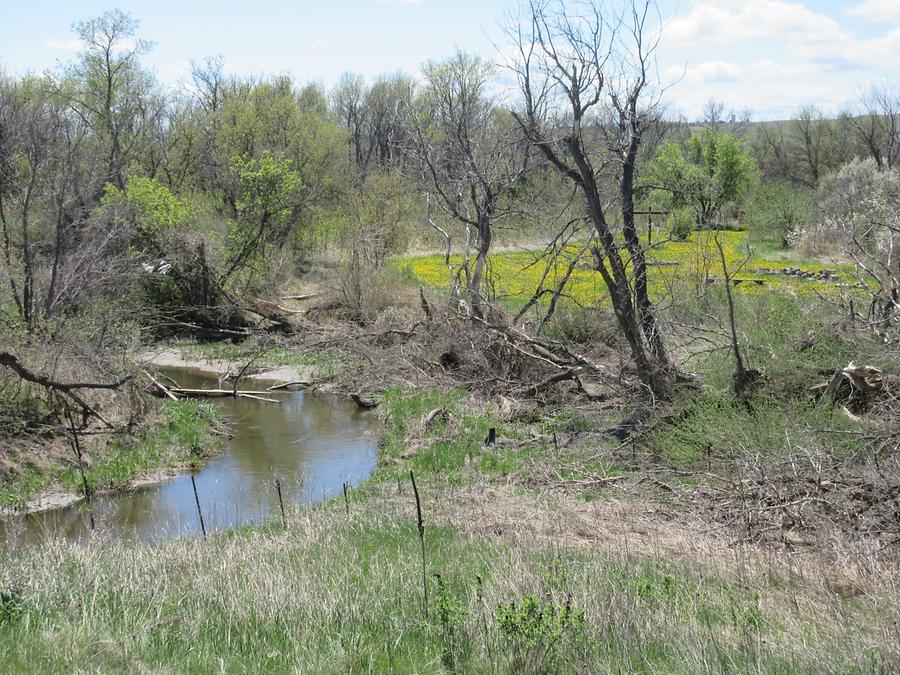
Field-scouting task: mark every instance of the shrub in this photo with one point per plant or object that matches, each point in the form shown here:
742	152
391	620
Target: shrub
777	209
534	630
681	222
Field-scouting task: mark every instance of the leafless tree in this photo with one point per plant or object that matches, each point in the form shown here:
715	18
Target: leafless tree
718	117
372	118
877	126
586	80
471	155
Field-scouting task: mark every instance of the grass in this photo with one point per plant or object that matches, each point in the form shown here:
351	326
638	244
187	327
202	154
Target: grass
338	594
451	447
329	361
681	267
180	436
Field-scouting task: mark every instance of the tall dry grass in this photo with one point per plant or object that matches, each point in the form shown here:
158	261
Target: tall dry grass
338	594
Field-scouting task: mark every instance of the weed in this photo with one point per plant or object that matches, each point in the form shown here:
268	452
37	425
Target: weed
451	614
10	605
534	629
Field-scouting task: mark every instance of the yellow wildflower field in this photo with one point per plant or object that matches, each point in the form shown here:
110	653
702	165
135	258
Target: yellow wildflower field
675	267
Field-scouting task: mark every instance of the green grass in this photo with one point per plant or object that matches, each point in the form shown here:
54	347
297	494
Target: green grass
181	436
333	594
327	361
452	447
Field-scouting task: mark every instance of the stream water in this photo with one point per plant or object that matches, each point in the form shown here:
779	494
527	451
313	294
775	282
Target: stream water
312	444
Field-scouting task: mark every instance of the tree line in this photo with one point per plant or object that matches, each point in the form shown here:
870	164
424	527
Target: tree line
186	208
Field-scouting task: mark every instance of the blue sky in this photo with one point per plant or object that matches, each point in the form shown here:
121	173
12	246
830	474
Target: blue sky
771	56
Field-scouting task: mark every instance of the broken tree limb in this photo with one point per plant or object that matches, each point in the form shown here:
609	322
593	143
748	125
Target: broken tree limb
161	386
221	393
66	388
288	385
304	296
11	362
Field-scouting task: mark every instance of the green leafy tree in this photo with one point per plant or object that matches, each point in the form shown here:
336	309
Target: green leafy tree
704	173
107	88
268	207
775	209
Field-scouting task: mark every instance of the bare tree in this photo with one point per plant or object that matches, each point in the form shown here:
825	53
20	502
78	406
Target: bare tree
877	126
471	155
587	100
718	117
372	118
812	136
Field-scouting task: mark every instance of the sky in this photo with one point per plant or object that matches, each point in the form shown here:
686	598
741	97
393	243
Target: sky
770	57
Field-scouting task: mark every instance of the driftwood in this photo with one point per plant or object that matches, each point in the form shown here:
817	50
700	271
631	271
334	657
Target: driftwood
218	393
165	390
441	413
288	385
175	392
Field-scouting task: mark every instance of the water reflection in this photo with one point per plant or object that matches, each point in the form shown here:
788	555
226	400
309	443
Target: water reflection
312	444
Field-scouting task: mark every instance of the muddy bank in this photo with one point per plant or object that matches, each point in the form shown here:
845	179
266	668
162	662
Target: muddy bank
171	357
54	499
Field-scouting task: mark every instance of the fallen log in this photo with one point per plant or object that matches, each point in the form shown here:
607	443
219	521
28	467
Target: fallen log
288	385
165	390
305	296
221	393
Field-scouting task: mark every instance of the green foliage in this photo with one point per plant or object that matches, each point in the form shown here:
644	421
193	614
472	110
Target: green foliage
681	222
268	207
775	209
10	605
293	129
534	629
154	210
706	172
270	189
155	206
451	614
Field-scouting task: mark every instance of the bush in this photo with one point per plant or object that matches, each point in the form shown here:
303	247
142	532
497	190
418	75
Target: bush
682	221
774	210
534	630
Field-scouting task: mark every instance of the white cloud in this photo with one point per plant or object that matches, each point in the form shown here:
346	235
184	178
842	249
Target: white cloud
709	71
876	10
730	21
774	56
67	46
